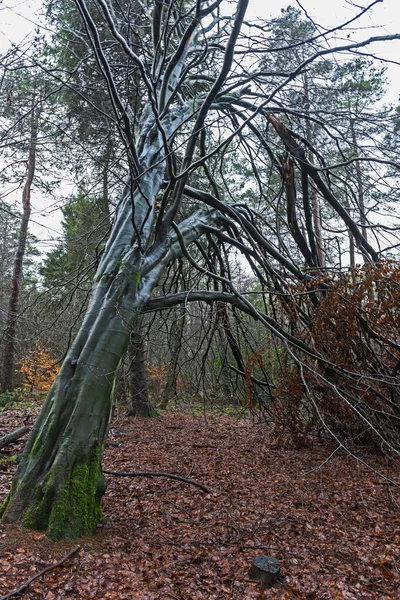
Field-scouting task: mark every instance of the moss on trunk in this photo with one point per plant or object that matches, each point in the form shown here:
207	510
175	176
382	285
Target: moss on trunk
68	504
4	505
59	483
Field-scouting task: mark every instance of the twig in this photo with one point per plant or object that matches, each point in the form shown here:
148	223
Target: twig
190	471
188	475
23	587
168	475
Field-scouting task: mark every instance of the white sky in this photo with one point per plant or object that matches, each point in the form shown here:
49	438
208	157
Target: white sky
18	21
18	17
333	12
382	19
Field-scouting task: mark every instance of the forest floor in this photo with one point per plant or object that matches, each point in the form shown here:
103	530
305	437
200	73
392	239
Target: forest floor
334	526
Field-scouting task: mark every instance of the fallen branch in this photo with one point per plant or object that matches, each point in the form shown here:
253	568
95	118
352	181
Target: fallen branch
13	436
23	587
168	475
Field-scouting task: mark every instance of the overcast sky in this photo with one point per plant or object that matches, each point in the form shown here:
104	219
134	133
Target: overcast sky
18	19
332	12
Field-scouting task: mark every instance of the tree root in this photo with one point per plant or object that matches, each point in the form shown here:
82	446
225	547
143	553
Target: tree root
150	474
23	587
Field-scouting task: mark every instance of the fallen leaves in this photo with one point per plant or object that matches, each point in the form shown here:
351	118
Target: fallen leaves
335	531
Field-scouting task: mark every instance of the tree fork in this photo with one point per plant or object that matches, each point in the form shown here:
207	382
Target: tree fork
58	485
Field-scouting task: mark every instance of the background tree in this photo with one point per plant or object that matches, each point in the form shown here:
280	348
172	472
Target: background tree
8	366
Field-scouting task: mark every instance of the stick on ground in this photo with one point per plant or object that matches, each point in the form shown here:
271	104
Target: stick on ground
25	586
150	474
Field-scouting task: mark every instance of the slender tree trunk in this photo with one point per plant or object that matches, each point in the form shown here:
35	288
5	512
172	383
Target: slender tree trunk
225	373
352	252
234	348
139	401
105	203
315	206
361	199
317	220
8	364
360	185
176	341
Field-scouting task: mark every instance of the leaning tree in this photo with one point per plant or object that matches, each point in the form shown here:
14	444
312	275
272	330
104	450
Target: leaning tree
207	100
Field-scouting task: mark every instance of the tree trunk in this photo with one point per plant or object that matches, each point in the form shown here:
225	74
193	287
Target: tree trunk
361	199
139	402
360	185
59	484
105	202
8	366
176	341
315	205
352	252
316	211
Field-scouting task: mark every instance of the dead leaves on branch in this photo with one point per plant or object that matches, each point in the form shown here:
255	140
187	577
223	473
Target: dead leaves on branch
38	369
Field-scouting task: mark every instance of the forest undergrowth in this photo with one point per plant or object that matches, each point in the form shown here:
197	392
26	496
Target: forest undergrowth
334	525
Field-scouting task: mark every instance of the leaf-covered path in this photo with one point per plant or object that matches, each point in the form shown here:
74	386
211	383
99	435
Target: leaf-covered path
336	530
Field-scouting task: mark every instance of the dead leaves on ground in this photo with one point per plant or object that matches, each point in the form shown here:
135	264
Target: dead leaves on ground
335	531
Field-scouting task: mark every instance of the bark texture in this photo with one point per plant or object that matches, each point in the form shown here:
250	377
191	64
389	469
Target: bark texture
170	391
59	484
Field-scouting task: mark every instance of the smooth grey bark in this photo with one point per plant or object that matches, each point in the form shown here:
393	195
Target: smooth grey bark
58	485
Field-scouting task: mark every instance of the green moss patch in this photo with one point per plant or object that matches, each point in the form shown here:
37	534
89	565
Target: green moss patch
69	504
